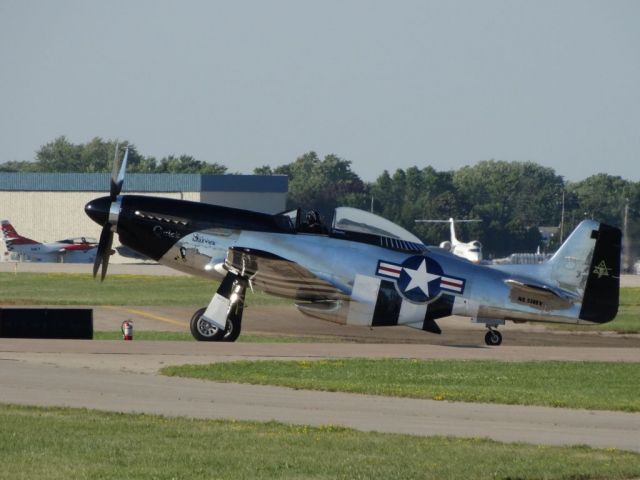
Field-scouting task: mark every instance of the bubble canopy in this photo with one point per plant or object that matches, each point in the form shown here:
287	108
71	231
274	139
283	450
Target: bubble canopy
350	219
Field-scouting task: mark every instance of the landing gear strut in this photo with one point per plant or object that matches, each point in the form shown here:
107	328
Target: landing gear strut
204	331
493	337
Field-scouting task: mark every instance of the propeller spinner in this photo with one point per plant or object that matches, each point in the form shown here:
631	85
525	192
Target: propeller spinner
105	211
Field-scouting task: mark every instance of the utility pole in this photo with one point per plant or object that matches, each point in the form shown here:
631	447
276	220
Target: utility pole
562	220
626	267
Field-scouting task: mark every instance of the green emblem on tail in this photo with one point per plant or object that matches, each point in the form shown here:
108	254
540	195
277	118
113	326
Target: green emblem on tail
601	270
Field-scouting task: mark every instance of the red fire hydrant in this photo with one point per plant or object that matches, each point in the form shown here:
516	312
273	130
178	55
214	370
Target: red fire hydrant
127	330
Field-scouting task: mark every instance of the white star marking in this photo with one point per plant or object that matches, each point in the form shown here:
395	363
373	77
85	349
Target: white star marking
420	278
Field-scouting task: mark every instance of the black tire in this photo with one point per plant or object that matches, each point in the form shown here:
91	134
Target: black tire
493	338
203	331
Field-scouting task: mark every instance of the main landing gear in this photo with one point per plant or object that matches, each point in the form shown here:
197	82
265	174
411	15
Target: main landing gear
493	337
204	331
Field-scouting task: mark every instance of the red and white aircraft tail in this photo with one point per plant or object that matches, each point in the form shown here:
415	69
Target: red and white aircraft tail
12	238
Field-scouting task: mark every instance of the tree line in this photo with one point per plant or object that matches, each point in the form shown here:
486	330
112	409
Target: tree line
61	155
511	199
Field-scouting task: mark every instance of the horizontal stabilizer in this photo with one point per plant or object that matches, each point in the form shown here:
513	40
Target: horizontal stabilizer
540	297
539	289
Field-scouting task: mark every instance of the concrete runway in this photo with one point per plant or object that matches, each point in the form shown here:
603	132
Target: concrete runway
122	376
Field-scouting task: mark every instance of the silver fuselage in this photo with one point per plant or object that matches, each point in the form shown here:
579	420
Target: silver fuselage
337	262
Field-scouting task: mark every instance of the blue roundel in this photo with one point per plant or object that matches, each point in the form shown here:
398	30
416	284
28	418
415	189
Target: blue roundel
419	279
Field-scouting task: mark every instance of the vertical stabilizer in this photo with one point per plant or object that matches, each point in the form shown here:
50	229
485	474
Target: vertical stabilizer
588	264
454	240
602	292
11	237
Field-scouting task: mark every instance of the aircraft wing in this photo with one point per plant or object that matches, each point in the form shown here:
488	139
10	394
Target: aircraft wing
279	276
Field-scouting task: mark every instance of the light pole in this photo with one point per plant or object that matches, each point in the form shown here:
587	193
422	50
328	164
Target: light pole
562	219
625	238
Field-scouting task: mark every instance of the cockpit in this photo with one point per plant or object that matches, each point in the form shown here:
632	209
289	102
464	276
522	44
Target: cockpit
358	226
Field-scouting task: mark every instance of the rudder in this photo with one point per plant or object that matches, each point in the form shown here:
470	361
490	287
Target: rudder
602	290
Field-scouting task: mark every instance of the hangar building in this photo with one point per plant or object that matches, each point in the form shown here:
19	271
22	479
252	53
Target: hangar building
50	206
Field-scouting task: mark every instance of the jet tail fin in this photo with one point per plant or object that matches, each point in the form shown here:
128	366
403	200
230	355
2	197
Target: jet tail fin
588	263
454	239
11	237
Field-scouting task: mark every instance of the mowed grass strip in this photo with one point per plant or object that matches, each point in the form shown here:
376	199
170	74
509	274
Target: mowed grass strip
83	289
55	443
590	385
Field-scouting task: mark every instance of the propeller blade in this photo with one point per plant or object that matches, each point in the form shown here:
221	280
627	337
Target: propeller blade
117	176
114	165
105	256
104	250
106	236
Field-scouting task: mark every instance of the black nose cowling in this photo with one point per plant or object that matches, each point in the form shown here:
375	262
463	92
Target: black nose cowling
98	210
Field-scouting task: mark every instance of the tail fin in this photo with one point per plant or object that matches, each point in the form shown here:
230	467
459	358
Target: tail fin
588	263
454	240
602	293
11	237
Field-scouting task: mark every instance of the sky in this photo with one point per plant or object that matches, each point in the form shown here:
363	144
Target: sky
382	84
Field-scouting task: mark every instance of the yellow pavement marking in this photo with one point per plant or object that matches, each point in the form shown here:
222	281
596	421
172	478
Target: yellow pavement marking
149	315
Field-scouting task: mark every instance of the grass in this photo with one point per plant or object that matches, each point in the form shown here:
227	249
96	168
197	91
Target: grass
82	289
590	385
56	443
156	335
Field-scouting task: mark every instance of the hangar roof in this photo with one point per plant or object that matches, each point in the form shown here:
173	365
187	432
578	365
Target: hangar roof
143	182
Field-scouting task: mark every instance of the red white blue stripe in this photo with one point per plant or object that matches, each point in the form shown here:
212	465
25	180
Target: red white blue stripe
447	283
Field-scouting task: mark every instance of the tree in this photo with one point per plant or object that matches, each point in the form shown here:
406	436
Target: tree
263	170
188	164
604	197
18	166
415	194
60	155
600	196
320	184
512	199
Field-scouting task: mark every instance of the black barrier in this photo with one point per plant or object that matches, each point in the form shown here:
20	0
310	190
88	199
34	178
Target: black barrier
72	323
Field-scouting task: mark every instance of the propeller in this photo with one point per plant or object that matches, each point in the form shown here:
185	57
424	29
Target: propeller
111	223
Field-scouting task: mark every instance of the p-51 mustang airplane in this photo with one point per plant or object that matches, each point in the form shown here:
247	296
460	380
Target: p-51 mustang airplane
363	270
69	250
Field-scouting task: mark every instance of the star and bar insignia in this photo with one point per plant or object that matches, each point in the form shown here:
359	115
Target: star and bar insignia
420	279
